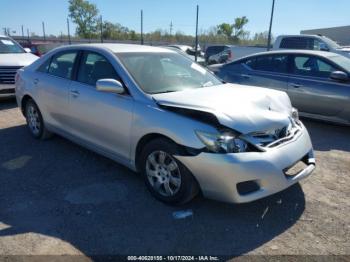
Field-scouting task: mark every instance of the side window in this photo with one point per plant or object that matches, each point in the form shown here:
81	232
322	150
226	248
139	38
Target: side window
320	45
312	66
44	66
275	63
62	64
250	63
94	67
297	43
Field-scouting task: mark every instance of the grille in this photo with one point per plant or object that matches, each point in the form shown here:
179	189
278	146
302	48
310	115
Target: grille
7	74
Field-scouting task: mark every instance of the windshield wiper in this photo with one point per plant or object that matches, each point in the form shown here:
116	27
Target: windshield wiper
166	91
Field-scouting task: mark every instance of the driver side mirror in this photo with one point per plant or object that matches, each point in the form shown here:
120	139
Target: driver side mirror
110	86
339	76
27	50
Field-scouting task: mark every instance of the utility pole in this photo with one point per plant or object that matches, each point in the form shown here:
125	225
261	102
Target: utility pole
28	34
171	28
269	37
44	31
196	48
68	31
22	32
101	28
141	27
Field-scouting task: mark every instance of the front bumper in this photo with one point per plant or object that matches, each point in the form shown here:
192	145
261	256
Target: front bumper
219	174
7	90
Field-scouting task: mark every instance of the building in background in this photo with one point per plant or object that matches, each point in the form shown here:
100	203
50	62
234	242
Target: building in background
339	34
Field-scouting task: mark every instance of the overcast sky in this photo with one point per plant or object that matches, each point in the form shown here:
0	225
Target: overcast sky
291	16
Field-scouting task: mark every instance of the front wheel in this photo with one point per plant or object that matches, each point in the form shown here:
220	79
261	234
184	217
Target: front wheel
35	121
167	178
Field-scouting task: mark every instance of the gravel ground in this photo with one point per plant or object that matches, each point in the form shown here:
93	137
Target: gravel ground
59	198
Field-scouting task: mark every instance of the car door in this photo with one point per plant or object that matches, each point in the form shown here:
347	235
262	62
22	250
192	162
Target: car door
52	82
100	119
268	71
312	90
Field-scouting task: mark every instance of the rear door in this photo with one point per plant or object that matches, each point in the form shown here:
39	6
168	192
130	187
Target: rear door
52	81
101	119
268	71
312	90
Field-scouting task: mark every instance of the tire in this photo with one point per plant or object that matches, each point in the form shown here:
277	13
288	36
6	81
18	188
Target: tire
170	182
35	122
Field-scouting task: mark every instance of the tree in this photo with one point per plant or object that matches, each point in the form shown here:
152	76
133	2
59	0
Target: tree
237	28
225	29
234	32
85	15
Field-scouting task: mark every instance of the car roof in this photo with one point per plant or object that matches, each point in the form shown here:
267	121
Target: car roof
291	51
122	48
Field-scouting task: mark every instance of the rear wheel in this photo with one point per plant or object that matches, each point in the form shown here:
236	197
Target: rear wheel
166	177
35	121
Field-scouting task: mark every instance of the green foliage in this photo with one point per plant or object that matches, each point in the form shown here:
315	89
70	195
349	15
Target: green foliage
85	15
234	32
225	29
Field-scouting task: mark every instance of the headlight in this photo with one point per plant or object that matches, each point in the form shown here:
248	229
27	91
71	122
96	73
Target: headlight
222	142
295	114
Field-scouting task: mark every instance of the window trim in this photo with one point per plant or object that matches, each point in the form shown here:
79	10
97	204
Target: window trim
46	60
266	71
79	64
60	53
323	59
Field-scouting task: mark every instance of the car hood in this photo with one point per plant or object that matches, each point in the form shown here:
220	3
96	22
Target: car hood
245	109
21	59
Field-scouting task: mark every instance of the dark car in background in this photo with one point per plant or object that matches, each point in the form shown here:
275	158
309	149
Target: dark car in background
189	52
217	54
318	83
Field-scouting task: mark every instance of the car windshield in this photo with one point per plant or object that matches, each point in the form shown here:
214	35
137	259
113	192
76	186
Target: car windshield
7	46
166	72
342	61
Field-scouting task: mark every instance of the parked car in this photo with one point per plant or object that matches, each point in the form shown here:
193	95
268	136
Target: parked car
219	54
310	42
318	83
188	51
159	113
40	48
12	58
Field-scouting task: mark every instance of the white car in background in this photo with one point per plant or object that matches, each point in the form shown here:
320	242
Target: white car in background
12	58
310	42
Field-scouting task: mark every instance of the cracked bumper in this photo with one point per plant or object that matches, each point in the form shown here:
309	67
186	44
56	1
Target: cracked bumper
219	174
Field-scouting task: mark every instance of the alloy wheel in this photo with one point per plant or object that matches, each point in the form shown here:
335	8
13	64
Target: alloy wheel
163	173
33	119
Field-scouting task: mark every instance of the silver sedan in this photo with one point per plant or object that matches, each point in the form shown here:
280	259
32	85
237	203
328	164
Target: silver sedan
159	113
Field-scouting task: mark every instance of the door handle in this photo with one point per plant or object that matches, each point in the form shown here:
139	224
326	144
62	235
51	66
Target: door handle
75	93
295	85
246	76
36	81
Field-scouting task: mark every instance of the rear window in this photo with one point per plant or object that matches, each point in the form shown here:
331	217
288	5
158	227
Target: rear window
297	43
215	49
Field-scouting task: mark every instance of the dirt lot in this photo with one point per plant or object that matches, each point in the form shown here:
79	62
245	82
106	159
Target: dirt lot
59	198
